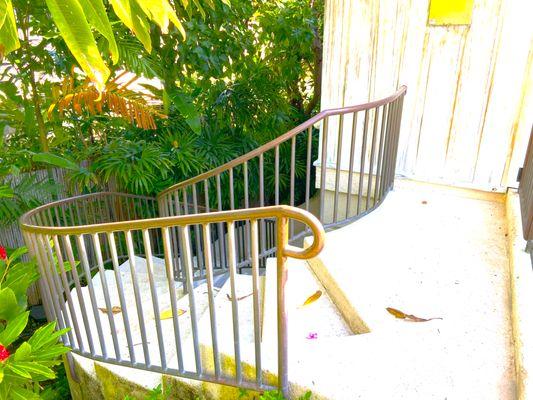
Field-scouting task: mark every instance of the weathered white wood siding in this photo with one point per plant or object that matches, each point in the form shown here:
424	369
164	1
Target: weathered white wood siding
469	106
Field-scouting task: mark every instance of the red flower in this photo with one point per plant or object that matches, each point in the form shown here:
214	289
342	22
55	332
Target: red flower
4	353
3	253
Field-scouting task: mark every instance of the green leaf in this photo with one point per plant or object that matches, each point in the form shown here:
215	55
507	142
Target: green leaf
18	371
97	16
55	160
18	393
6	191
34	368
9	307
72	23
14	328
51	353
134	18
45	335
9	40
161	12
17	253
185	106
23	352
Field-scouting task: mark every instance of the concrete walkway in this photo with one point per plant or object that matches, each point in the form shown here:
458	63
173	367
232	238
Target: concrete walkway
433	252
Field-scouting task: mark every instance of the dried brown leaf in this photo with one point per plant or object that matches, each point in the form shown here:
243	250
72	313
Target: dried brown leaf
239	298
114	309
311	299
408	317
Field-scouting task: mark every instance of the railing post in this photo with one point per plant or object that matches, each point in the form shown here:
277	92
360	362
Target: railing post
282	242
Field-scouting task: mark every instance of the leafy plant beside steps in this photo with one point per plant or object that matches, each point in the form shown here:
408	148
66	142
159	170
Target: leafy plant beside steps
24	364
159	394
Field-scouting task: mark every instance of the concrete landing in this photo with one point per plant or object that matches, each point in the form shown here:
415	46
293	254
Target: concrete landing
431	252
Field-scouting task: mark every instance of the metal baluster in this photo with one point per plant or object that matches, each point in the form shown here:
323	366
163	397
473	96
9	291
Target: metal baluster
396	137
189	273
323	167
221	238
211	296
350	168
338	168
121	297
138	299
173	296
282	241
85	265
362	166
199	252
44	283
246	206
276	174
308	167
66	289
155	301
77	285
292	177
105	289
257	316
388	144
57	298
377	189
176	244
262	200
372	151
234	306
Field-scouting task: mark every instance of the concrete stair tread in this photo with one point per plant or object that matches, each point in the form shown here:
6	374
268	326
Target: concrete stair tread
318	320
146	379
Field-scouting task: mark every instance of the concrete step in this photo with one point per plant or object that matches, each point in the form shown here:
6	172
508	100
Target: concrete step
313	322
114	381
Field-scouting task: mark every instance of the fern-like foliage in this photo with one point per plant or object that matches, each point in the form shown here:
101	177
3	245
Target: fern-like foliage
19	194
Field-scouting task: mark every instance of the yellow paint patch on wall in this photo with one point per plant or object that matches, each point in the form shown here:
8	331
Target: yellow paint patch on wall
450	12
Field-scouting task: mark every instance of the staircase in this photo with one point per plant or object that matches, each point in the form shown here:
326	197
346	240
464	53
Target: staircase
310	325
215	294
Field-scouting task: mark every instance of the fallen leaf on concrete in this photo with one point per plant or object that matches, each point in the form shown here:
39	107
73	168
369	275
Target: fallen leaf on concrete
167	314
311	299
114	309
409	317
239	298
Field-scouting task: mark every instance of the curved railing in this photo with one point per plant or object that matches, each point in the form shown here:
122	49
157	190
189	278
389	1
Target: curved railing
298	169
129	337
339	165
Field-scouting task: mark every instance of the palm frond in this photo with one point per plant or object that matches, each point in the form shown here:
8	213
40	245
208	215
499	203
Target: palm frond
116	98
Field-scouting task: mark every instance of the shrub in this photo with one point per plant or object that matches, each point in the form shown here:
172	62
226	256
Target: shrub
23	365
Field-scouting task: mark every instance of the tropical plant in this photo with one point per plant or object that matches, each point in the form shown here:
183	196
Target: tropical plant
75	20
116	98
22	192
23	365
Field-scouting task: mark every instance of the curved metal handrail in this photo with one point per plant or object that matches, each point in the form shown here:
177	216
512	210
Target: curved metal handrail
72	238
280	211
284	138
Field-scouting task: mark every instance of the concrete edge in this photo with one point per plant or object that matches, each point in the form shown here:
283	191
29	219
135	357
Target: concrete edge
521	291
336	294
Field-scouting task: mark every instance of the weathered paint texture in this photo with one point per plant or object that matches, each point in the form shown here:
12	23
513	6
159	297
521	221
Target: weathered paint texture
469	106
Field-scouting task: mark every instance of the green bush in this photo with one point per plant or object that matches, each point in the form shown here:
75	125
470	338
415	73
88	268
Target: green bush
23	366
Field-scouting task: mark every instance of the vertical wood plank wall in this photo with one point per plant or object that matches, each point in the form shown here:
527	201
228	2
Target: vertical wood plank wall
469	106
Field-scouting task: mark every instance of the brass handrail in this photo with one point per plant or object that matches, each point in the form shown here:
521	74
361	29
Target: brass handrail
283	138
99	230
